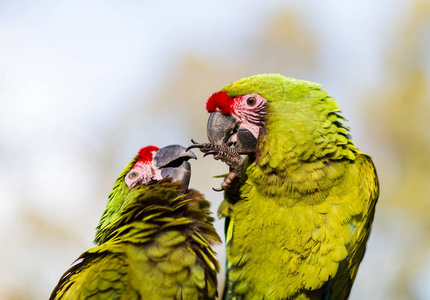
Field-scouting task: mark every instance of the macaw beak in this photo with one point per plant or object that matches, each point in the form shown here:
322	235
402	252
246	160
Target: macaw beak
173	162
225	129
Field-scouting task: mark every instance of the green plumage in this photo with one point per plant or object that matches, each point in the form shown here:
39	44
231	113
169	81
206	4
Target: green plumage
154	242
307	203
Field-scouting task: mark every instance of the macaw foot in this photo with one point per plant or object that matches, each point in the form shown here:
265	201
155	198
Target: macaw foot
231	157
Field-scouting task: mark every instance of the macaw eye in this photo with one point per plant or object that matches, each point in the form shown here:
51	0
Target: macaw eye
251	101
133	175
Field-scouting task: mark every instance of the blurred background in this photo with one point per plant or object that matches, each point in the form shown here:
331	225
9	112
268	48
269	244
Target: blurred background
85	84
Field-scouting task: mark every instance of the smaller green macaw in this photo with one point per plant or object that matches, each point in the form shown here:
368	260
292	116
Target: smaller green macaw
154	239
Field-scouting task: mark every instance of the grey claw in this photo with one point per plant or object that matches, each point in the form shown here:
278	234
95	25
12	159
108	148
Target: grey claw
192	146
195	145
209	153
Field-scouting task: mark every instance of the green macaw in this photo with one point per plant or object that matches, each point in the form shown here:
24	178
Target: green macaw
154	240
300	206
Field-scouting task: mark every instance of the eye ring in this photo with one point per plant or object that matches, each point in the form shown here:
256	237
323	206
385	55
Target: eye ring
133	175
251	101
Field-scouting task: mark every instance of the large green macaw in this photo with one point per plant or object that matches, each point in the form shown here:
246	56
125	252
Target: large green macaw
154	240
300	206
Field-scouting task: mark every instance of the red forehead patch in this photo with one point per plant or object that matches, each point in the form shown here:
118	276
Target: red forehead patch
145	154
221	102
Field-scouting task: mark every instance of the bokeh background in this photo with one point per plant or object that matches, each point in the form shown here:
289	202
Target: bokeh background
85	84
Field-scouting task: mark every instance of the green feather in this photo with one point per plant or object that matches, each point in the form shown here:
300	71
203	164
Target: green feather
155	244
307	202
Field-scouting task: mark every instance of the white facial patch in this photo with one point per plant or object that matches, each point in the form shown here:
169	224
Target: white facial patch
142	173
249	111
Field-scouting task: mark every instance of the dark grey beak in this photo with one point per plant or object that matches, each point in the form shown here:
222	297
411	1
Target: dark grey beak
173	162
220	127
225	129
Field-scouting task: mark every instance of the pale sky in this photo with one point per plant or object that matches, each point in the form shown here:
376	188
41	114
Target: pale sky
68	68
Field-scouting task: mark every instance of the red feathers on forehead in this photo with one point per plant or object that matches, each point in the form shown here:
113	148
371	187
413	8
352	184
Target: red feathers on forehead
145	154
221	102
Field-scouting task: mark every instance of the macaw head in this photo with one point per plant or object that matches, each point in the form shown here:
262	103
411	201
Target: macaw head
272	113
149	166
236	121
153	164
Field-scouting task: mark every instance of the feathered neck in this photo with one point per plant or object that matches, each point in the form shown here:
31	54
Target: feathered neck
301	150
159	206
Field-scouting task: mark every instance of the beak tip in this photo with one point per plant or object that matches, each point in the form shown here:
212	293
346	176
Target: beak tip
168	154
191	154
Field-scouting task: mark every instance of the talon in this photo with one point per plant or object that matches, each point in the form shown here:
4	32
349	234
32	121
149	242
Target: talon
217	189
210	152
192	147
195	145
